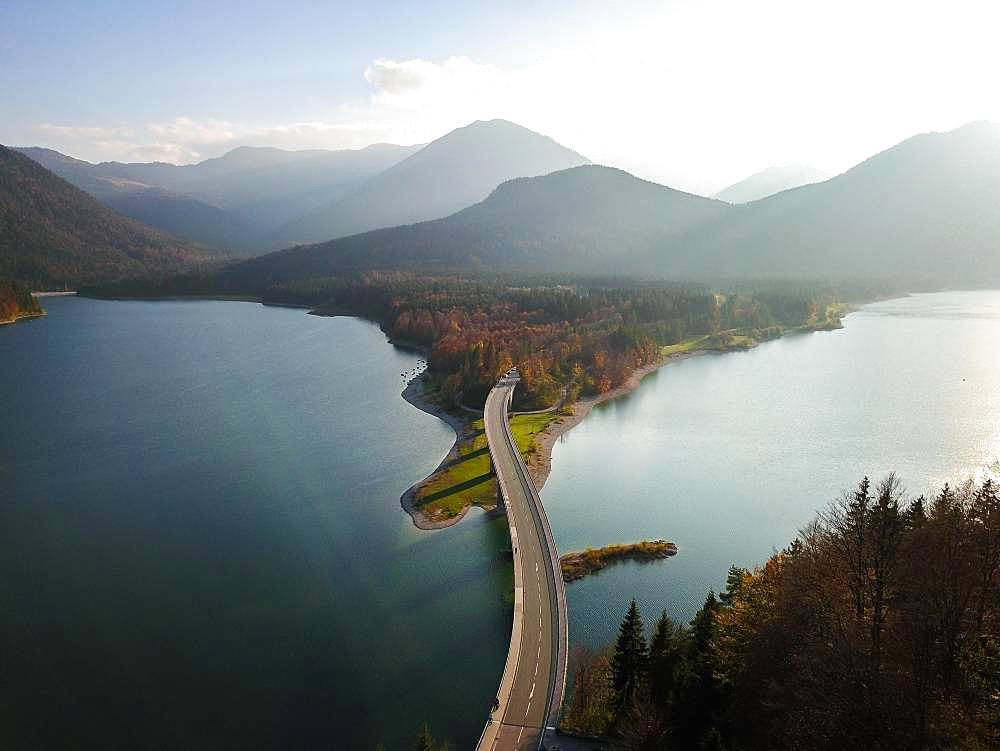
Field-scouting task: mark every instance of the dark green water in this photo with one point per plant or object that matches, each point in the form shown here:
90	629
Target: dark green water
201	544
730	455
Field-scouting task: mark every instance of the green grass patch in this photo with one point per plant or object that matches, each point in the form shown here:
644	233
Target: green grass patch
526	427
467	481
691	344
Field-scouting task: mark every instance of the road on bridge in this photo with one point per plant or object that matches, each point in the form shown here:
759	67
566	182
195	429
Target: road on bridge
534	678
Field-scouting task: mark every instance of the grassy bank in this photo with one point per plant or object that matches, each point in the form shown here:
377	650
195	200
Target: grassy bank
468	480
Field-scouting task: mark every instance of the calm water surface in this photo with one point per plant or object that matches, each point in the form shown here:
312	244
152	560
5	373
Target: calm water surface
729	455
201	543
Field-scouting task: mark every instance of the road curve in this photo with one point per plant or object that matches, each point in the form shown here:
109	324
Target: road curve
534	678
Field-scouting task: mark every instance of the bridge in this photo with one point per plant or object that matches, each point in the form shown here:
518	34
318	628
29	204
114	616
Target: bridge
534	677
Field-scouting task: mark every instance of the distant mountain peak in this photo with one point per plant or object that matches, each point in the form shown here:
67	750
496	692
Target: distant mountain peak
769	181
450	173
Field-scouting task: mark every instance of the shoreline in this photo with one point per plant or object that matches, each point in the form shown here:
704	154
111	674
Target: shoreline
23	317
540	465
413	393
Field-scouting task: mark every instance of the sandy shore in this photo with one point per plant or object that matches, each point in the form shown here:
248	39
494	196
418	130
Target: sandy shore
540	465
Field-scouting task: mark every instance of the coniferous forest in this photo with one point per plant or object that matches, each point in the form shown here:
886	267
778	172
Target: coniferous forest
876	628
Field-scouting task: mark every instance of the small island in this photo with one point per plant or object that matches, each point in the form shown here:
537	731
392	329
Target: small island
578	565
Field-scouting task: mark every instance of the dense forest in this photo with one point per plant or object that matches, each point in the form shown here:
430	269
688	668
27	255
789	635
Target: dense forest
16	302
582	338
877	628
581	335
55	236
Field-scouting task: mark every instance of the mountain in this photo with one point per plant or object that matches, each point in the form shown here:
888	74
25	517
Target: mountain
770	181
174	213
583	219
54	235
265	185
449	174
928	207
233	201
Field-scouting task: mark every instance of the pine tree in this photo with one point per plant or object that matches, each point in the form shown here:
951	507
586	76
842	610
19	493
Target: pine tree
666	652
628	665
916	514
425	741
734	583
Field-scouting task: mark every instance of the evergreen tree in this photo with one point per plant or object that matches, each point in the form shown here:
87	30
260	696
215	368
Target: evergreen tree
734	582
666	653
628	665
916	514
425	741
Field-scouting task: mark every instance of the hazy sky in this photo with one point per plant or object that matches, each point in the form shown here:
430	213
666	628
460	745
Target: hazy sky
693	94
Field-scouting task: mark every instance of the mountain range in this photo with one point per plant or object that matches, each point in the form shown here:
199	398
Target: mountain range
928	207
583	219
233	201
255	199
455	171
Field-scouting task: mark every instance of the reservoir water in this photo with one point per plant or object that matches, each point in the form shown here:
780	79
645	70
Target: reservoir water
730	455
201	544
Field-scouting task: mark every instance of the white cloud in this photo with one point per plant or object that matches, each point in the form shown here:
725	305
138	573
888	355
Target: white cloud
420	82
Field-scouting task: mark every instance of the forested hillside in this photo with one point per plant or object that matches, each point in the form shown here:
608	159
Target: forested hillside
55	236
586	219
16	302
878	628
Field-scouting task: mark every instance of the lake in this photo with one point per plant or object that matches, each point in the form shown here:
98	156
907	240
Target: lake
201	542
729	455
202	545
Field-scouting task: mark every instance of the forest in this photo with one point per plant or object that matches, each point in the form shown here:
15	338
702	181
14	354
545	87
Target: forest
876	628
16	302
568	337
54	236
